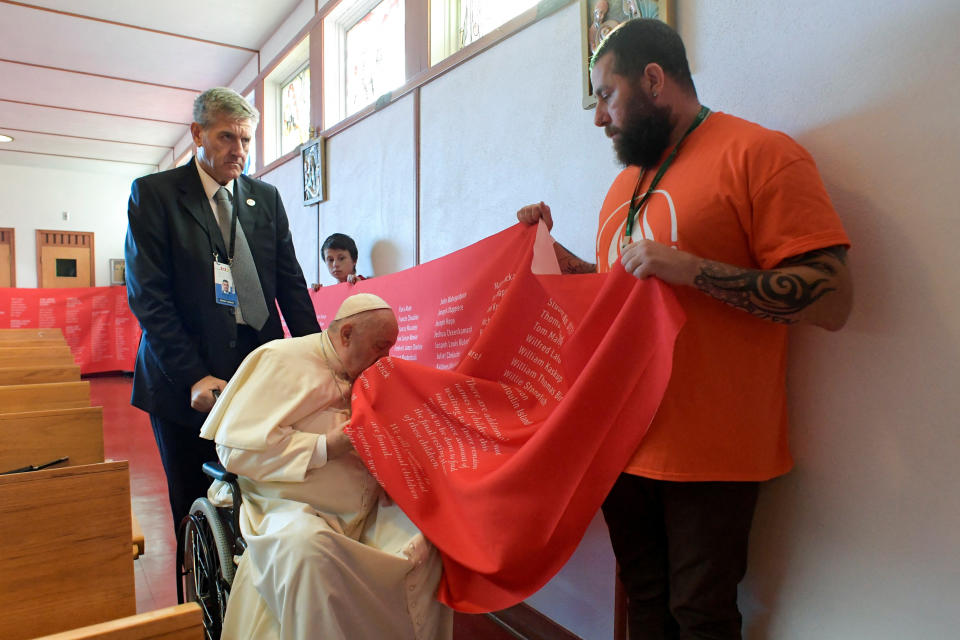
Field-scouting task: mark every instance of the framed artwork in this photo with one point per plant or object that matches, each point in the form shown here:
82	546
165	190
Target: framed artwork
118	271
599	17
313	156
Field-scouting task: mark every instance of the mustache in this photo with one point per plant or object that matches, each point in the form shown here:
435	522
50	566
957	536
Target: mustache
611	131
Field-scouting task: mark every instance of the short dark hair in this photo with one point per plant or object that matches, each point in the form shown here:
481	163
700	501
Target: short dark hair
638	42
339	241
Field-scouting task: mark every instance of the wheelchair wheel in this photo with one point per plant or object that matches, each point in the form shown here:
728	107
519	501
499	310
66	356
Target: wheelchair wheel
205	564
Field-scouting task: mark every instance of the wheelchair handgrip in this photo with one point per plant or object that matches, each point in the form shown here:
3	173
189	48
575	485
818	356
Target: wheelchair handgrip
216	471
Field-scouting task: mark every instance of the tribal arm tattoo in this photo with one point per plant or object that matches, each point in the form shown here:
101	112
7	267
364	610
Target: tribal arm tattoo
783	294
569	263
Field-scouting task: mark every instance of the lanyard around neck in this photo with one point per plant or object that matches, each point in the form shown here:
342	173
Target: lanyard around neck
635	206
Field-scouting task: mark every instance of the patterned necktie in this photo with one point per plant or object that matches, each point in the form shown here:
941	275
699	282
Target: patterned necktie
252	309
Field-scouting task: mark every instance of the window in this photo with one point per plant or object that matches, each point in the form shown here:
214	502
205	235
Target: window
456	23
286	104
364	55
66	268
295	111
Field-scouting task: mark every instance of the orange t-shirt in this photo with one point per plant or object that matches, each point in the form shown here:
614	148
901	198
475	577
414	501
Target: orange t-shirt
744	195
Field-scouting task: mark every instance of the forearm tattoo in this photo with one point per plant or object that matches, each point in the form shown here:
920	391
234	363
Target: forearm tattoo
570	263
776	295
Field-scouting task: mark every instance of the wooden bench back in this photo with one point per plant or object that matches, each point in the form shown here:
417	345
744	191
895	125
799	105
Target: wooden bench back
182	622
35	356
39	374
65	549
37	397
49	334
36	437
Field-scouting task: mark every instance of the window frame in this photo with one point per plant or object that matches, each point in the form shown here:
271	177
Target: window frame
419	71
336	24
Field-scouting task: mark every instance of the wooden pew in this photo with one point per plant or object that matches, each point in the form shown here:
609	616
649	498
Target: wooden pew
48	334
182	622
12	356
39	374
36	437
32	338
64	549
53	395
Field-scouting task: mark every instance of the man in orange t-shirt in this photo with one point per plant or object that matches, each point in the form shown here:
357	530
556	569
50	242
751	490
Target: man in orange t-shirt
736	218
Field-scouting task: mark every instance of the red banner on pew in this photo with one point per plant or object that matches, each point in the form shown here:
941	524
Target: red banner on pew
511	404
96	322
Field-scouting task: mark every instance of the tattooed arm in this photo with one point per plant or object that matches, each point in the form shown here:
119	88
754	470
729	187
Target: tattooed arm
812	288
569	263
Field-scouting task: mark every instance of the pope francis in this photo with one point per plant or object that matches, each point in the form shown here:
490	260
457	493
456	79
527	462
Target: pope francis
329	555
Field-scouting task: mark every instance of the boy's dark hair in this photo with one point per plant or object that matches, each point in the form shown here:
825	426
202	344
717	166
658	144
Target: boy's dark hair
638	42
339	241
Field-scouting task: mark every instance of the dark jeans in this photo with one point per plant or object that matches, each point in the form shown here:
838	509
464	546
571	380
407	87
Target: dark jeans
183	453
682	550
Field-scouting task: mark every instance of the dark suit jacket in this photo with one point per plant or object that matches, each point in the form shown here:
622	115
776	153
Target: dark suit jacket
171	238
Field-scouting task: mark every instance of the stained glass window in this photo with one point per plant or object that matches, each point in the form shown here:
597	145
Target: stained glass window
457	23
480	17
295	111
374	55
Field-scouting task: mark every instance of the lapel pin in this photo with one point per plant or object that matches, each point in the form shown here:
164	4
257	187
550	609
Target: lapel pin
251	202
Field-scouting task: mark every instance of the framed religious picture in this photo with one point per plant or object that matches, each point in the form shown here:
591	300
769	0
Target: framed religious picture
118	273
313	156
599	17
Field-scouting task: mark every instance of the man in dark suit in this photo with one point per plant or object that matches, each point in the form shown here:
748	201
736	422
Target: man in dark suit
189	228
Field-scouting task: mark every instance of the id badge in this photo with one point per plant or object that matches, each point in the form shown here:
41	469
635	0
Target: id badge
223	290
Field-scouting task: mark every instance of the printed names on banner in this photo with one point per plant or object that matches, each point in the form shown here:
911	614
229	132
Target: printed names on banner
451	335
457	427
408	346
452	429
18	313
126	331
537	367
96	322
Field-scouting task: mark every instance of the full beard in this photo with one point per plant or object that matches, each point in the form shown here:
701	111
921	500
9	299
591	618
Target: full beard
644	136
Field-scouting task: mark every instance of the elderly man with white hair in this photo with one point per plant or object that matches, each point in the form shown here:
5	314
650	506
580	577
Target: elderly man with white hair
329	555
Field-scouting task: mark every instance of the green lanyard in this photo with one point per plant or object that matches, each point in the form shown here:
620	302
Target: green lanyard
636	206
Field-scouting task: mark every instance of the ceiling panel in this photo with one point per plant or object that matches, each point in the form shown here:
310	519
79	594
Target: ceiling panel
99	47
50	88
246	23
32	118
116	79
83	148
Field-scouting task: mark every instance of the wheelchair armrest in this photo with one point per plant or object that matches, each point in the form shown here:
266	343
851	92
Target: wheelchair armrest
216	471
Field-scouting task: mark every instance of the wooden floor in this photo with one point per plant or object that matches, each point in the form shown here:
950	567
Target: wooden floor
128	436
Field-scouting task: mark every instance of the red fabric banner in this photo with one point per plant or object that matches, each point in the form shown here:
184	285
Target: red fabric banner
96	322
510	405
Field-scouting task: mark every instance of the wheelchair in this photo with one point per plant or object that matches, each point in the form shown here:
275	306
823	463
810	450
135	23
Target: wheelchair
209	546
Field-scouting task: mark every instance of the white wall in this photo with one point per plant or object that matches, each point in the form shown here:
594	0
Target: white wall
860	541
506	129
371	179
36	191
288	179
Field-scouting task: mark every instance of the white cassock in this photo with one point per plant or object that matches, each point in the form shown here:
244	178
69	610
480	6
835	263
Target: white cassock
329	555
